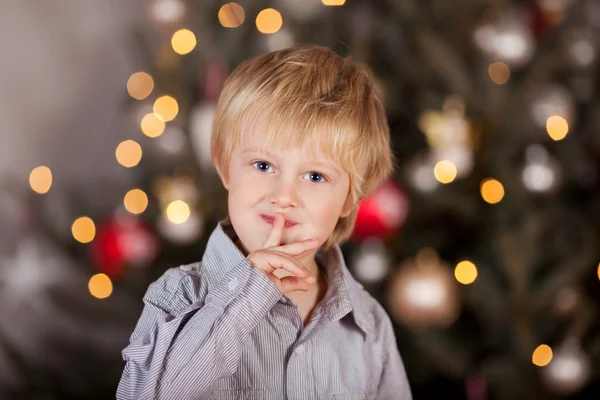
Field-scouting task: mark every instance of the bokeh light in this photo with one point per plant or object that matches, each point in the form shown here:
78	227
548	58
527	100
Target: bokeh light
140	85
178	211
166	107
100	286
333	2
492	191
557	127
269	21
83	229
183	41
135	201
465	272
231	15
129	153
40	179
499	73
445	171
152	125
542	355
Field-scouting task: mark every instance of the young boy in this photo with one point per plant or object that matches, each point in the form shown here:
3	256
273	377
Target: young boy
271	311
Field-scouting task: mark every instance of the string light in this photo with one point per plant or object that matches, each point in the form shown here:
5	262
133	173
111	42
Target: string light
183	41
166	107
557	127
140	85
129	153
178	211
492	191
231	15
135	201
499	73
465	272
152	125
542	355
445	171
100	286
83	229
269	21
40	179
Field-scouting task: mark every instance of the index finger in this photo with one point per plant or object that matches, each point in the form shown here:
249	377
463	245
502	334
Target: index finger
274	237
297	249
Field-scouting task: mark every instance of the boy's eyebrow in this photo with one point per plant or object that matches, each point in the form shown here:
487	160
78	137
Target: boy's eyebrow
254	149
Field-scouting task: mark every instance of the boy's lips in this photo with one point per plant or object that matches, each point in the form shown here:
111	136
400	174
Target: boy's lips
271	219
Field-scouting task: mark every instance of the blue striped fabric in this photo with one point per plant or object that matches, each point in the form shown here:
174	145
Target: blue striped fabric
220	329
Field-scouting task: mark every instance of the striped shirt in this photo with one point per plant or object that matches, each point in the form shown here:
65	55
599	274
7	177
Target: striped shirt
220	329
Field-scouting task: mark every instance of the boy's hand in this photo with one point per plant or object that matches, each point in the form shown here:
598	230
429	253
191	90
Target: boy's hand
273	256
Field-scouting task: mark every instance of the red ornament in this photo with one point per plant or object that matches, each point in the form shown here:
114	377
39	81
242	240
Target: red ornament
120	241
382	214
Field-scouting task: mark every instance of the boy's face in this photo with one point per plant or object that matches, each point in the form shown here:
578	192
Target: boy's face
310	191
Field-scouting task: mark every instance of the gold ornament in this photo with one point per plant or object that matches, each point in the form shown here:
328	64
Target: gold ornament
424	293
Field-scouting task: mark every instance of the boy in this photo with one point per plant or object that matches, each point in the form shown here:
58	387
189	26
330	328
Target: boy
271	311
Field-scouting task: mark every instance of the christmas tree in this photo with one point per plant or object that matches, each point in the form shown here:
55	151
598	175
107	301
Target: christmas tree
483	246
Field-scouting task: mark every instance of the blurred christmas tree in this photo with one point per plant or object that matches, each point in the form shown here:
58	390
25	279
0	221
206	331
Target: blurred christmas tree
483	247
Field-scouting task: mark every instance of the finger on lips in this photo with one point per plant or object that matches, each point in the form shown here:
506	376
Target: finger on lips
273	256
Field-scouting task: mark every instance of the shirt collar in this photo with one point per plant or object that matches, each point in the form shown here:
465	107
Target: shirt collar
344	294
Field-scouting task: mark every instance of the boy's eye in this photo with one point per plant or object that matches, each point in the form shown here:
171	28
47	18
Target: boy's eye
316	177
262	166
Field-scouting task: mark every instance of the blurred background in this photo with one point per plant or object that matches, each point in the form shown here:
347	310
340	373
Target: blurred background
483	247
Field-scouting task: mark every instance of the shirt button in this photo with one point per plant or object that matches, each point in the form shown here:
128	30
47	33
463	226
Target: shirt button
232	284
299	350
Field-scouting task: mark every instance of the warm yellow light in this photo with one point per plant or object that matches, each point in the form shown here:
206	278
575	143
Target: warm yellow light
598	271
333	2
140	85
492	191
152	125
183	41
40	179
465	272
100	286
269	21
542	355
231	15
431	123
166	107
445	171
83	229
499	73
129	153
135	201
178	212
557	127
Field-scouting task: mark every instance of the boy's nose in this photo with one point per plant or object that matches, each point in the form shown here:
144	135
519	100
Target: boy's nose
284	195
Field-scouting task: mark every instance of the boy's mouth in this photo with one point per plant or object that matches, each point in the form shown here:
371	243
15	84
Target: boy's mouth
270	220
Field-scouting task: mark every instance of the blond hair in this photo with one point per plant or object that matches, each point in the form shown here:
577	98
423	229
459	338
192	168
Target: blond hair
312	98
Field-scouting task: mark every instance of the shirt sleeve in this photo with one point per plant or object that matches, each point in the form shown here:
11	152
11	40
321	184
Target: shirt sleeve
394	382
179	347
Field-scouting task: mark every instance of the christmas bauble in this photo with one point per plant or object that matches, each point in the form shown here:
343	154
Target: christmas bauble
569	369
371	263
423	293
383	213
120	241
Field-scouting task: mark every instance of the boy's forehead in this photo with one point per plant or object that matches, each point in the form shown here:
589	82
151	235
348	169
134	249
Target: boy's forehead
308	148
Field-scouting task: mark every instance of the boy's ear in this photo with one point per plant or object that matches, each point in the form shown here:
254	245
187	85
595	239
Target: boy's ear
222	176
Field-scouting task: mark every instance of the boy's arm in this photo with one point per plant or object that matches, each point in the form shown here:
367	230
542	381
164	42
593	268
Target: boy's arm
179	348
394	382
